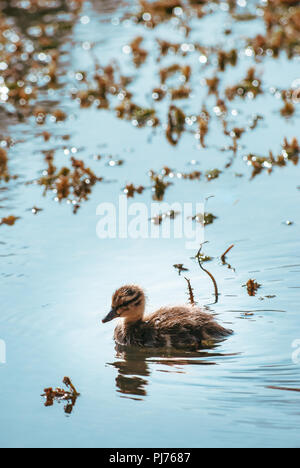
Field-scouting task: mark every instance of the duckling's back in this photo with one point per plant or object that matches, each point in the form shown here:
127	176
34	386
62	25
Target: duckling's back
178	327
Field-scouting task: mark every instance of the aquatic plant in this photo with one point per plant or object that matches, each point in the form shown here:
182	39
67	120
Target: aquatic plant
180	267
213	174
3	164
250	87
252	287
73	184
9	221
176	125
159	185
190	293
58	394
130	190
198	257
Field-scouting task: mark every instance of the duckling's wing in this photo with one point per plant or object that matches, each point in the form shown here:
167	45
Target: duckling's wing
185	326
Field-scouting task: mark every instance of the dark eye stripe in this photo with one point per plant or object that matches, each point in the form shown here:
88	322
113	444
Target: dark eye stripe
137	303
131	301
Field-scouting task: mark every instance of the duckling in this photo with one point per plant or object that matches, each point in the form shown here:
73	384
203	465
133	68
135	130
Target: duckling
182	327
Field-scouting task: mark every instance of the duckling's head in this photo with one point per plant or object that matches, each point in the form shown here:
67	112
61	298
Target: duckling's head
128	302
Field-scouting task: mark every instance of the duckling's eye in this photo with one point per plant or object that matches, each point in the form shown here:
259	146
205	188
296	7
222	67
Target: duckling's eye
130	292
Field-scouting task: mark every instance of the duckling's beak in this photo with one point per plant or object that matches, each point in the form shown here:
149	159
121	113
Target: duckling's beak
112	315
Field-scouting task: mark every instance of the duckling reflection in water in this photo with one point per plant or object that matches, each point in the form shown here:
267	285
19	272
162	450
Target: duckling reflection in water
181	327
135	365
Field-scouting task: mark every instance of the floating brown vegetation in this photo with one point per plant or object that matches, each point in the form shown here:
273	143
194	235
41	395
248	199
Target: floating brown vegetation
58	394
158	219
114	162
255	121
181	93
282	20
213	85
74	185
3	165
205	220
159	185
252	287
41	58
250	86
290	152
203	258
35	210
153	13
165	47
191	295
176	125
139	116
288	98
158	94
203	121
138	53
180	267
227	58
195	175
130	190
236	134
105	83
209	218
41	114
9	221
184	70
288	109
213	174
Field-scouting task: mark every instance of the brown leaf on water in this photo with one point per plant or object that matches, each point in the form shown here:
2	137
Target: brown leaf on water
251	85
213	85
158	219
58	394
74	184
180	93
138	53
180	267
130	190
3	163
213	174
227	58
139	116
252	287
184	70
159	186
176	125
9	221
153	13
288	109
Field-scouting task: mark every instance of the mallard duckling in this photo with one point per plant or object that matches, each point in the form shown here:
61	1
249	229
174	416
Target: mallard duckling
181	327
